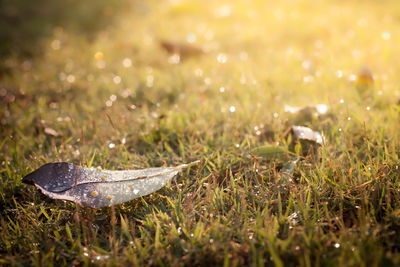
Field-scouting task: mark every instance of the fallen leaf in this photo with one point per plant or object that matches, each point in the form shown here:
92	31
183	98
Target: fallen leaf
98	188
305	141
365	83
305	133
181	49
51	131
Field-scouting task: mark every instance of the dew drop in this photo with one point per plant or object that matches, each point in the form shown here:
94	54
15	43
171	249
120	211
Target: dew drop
191	38
352	77
149	80
99	56
109	103
198	72
174	59
117	80
56	44
113	98
94	193
386	36
71	78
127	62
101	64
222	58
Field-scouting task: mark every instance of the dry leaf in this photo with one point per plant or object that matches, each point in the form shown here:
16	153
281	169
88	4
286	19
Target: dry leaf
95	187
365	83
305	133
51	131
181	49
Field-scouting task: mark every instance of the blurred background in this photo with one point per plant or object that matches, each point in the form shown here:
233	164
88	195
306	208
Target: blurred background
223	67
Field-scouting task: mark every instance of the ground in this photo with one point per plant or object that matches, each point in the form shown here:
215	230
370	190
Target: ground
130	85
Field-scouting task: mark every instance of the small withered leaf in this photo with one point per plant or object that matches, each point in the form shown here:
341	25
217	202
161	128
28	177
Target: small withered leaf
305	133
182	49
98	188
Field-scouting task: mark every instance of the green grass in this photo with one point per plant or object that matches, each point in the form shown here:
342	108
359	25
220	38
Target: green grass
342	207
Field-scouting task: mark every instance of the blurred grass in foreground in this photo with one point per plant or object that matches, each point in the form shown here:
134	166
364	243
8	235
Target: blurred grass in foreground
118	96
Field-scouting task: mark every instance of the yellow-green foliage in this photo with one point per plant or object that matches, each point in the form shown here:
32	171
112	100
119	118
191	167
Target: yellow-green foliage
93	85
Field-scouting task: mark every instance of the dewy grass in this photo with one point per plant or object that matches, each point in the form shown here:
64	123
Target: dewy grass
118	100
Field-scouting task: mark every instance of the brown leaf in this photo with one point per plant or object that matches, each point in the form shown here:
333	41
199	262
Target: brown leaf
98	188
51	131
181	49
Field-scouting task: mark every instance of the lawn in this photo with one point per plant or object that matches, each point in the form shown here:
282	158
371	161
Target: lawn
139	84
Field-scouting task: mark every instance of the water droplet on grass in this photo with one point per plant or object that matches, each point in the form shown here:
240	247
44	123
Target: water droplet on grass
191	38
102	257
99	56
56	44
109	103
198	72
322	108
149	80
352	77
308	79
221	58
386	36
306	64
127	62
101	64
71	78
117	80
113	98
